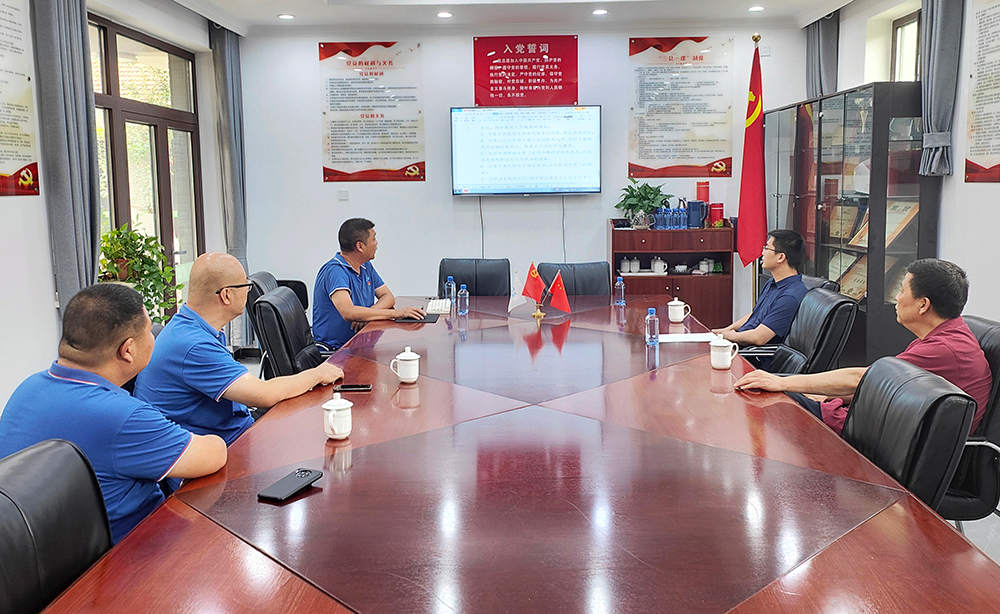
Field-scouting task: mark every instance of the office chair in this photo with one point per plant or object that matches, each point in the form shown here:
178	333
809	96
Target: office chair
816	338
53	524
580	278
129	386
820	282
263	282
481	276
285	335
912	424
974	492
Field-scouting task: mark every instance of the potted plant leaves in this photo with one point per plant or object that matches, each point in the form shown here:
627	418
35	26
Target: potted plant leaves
136	259
639	201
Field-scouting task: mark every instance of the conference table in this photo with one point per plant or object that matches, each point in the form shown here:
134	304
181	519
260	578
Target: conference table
553	466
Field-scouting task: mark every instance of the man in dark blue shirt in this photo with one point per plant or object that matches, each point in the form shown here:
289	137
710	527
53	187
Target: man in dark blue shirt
771	318
349	292
106	340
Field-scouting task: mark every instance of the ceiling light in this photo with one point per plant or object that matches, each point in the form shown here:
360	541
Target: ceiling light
444	15
755	9
600	12
286	16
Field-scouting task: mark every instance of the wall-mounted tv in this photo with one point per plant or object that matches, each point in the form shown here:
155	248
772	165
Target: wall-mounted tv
525	150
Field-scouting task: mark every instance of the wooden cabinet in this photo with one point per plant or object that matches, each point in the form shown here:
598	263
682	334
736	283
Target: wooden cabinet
710	296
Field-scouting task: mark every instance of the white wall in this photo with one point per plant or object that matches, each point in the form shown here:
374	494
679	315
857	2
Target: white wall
966	233
293	216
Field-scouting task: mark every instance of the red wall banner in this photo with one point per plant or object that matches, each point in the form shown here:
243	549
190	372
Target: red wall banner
525	70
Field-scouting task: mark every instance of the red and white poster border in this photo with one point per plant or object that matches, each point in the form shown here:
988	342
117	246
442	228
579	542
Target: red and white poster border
18	143
982	154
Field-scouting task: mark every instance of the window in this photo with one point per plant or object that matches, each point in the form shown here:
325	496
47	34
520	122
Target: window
147	133
906	48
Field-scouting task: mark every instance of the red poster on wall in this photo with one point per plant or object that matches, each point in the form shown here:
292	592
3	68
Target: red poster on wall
525	70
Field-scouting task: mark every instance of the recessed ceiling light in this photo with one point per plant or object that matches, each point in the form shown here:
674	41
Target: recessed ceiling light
286	16
755	9
600	11
444	15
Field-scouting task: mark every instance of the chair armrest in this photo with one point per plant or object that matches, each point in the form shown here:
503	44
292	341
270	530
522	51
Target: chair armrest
982	442
760	351
299	288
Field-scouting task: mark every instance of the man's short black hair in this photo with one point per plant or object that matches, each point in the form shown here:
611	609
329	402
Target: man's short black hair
354	230
99	318
791	244
944	283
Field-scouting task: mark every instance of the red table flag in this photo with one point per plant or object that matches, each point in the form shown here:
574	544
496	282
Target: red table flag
752	229
558	290
559	334
534	287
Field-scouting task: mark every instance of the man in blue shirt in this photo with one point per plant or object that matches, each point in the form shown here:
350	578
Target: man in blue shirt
771	318
349	292
193	379
106	341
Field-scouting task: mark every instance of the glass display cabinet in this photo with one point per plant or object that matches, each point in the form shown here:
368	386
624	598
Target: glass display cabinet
843	171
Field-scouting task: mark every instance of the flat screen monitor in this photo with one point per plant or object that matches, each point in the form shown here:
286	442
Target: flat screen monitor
525	150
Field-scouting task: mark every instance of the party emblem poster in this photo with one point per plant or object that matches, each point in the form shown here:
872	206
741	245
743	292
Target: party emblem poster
18	153
373	122
982	156
681	121
527	70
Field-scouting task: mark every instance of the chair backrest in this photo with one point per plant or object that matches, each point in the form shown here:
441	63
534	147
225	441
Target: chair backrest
53	524
580	278
820	282
263	282
821	327
987	332
911	423
284	333
481	276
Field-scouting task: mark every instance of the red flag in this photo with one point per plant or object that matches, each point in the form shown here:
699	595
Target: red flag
559	334
534	287
535	343
558	290
752	229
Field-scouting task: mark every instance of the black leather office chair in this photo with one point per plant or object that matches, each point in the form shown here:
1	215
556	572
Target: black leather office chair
820	282
817	336
285	335
580	278
53	524
911	423
974	492
481	276
264	282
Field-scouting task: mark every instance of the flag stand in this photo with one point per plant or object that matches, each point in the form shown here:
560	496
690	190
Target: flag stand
538	315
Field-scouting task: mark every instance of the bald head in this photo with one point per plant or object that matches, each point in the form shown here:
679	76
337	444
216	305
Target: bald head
213	271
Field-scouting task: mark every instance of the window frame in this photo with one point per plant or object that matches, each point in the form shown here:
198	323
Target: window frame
897	24
121	110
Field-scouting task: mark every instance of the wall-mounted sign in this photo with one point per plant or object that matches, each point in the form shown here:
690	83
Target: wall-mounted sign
373	122
525	70
982	155
681	121
18	152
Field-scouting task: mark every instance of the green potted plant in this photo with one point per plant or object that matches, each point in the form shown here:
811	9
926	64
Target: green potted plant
132	257
640	200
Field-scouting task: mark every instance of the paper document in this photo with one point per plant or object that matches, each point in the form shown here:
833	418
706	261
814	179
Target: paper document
687	337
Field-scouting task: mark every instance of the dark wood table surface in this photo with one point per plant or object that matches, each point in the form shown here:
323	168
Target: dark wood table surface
561	467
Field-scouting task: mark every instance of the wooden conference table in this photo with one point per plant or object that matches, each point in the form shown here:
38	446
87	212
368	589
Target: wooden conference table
566	468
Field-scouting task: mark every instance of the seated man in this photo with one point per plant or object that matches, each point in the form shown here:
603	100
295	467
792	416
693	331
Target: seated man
929	304
106	341
348	290
771	318
193	379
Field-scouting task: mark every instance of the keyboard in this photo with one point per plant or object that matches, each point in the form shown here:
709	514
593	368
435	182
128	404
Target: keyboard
439	305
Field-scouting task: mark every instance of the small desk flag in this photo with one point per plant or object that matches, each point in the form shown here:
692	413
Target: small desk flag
516	299
534	287
558	291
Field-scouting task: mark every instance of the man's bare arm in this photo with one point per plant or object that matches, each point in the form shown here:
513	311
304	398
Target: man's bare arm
836	383
204	455
734	326
256	392
353	313
758	336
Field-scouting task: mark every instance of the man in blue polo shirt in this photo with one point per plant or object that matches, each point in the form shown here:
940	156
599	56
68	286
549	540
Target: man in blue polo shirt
349	292
771	318
106	341
193	379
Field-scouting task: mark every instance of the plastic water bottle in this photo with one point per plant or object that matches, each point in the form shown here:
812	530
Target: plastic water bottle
652	328
463	301
620	291
449	289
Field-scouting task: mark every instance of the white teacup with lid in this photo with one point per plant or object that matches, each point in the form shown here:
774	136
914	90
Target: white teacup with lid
722	352
677	310
406	366
337	417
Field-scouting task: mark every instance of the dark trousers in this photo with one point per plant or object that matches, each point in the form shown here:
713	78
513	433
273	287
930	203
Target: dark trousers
809	404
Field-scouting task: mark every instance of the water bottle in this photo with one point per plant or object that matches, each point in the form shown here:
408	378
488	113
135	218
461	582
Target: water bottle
652	328
449	289
620	292
674	225
463	301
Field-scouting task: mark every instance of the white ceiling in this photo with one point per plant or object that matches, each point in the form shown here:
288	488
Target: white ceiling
242	16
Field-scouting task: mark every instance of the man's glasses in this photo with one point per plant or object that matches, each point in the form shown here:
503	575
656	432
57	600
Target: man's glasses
246	285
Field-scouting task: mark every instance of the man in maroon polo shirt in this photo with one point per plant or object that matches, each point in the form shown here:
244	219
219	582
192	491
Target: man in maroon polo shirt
929	304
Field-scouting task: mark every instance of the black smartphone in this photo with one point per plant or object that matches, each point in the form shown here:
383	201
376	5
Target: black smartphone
290	485
352	388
